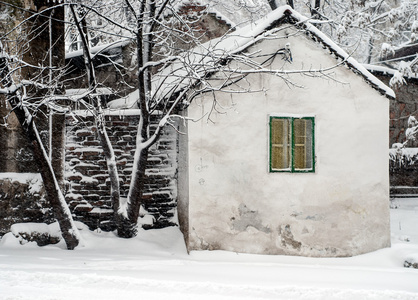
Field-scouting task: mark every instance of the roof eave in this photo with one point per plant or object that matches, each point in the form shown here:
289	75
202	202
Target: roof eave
286	15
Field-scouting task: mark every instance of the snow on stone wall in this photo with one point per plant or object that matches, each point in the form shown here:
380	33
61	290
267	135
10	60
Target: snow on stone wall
401	108
403	170
87	183
22	200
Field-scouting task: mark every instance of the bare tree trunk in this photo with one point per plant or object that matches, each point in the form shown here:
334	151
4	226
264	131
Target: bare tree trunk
99	119
40	39
315	8
128	222
272	4
61	211
129	215
370	52
111	164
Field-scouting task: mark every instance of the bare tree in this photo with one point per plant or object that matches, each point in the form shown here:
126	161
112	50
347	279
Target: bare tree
29	86
160	35
79	18
168	77
150	17
183	75
273	4
375	28
315	6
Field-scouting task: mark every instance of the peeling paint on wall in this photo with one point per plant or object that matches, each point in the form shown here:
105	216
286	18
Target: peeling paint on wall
287	239
247	218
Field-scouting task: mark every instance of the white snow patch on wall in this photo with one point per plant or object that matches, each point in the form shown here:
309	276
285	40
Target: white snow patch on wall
33	179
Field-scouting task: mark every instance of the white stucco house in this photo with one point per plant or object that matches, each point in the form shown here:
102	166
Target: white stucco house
296	165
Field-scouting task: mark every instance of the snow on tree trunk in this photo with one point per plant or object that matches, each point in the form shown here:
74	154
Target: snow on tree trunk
62	213
56	198
129	211
98	106
110	162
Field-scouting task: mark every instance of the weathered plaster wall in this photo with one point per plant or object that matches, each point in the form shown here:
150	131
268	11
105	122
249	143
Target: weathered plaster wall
183	180
342	209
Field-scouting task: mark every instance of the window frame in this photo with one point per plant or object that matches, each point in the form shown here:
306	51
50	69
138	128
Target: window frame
292	168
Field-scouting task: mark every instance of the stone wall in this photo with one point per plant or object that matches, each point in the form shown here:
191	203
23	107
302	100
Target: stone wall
405	105
401	108
87	182
403	172
22	200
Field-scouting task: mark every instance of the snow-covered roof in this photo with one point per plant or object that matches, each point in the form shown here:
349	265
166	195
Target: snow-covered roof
193	65
283	11
386	71
99	49
381	69
221	17
99	90
209	8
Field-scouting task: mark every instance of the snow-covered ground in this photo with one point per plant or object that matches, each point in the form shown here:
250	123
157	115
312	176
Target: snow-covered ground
155	265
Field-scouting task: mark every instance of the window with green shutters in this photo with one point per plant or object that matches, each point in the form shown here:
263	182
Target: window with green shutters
292	144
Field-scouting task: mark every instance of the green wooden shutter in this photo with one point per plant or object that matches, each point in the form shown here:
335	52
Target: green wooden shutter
280	147
303	144
292	144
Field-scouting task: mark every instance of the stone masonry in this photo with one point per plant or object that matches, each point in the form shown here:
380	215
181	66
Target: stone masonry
22	199
403	179
87	182
401	108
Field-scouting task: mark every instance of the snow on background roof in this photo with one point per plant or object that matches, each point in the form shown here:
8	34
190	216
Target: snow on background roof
98	49
375	68
211	8
389	71
236	13
221	16
193	65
